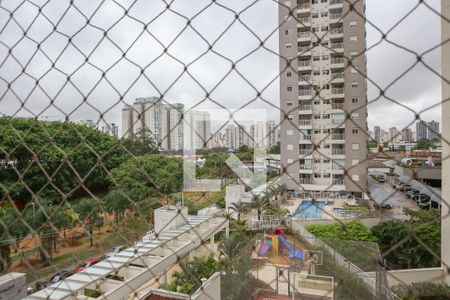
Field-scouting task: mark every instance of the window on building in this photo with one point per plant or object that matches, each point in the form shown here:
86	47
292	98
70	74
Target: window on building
355	130
355	146
317	160
353	54
326	161
354	84
355	177
289	88
289	132
326	131
355	100
289	59
355	162
314	1
317	117
324	14
355	116
326	176
324	1
288	31
290	161
316	101
325	44
326	101
316	58
317	175
326	72
353	39
353	24
316	73
315	15
317	131
288	46
326	146
325	57
315	29
290	147
289	103
289	74
326	116
290	118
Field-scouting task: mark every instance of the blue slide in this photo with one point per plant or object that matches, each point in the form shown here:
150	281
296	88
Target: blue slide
293	253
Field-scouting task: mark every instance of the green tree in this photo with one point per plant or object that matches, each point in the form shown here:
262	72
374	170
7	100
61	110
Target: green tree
89	213
141	143
372	144
262	204
425	144
239	208
353	231
275	149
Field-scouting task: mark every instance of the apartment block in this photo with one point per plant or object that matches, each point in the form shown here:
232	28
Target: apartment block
112	129
421	130
433	130
323	94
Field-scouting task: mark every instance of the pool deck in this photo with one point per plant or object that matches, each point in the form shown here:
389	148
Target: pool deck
327	213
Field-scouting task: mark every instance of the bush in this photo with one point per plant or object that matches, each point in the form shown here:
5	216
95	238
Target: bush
353	231
422	290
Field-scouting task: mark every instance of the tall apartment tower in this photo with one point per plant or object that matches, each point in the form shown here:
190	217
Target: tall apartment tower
323	95
433	130
377	133
421	130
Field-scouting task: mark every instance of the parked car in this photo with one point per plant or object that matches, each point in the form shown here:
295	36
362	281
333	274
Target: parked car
426	205
416	197
410	194
384	205
57	277
87	263
423	198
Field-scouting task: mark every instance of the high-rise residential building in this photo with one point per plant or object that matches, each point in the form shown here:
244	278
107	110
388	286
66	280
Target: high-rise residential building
159	118
433	130
112	129
394	135
407	135
421	130
377	133
200	129
323	99
265	134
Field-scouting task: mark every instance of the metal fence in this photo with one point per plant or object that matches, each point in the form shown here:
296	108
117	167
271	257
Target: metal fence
97	98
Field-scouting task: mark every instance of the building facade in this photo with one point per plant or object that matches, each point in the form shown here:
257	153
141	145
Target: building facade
407	135
377	133
323	99
112	129
159	118
433	130
421	130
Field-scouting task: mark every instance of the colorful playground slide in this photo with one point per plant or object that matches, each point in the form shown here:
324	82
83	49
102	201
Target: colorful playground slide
292	252
264	250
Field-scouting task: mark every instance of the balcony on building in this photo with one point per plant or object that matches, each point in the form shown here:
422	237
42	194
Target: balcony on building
338	135
304	65
305	150
304	8
336	3
337	62
303	22
336	32
305	107
337	91
305	179
337	104
304	49
304	79
304	36
338	150
337	46
336	15
305	122
337	77
338	180
305	165
305	94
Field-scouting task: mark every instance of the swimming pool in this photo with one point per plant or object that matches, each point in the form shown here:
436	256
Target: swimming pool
308	210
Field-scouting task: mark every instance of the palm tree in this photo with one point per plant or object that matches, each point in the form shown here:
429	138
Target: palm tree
283	190
239	207
262	204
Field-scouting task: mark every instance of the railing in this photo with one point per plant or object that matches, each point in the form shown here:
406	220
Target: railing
304	49
337	91
304	122
338	151
337	167
305	138
305	151
304	63
305	78
305	6
337	105
337	30
305	167
305	181
336	45
338	136
338	60
303	35
336	2
305	107
305	93
335	16
338	181
337	76
340	260
304	20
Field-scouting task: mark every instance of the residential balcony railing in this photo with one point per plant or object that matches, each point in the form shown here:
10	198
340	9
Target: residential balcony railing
337	30
338	60
337	167
304	49
304	20
337	91
305	78
336	45
338	137
305	107
304	63
305	122
337	76
305	167
305	181
304	35
337	105
332	2
338	181
305	151
338	151
304	92
305	6
335	16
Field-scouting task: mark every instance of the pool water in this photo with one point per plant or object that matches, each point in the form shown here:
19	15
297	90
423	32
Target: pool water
308	210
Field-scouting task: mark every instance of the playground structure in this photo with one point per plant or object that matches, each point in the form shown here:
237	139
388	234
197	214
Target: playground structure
275	241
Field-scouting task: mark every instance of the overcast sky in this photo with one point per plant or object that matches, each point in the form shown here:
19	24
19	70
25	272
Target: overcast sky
87	96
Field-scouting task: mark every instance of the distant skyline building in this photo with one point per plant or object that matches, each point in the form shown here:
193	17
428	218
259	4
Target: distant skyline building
377	133
433	130
394	135
112	129
200	129
421	130
407	135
